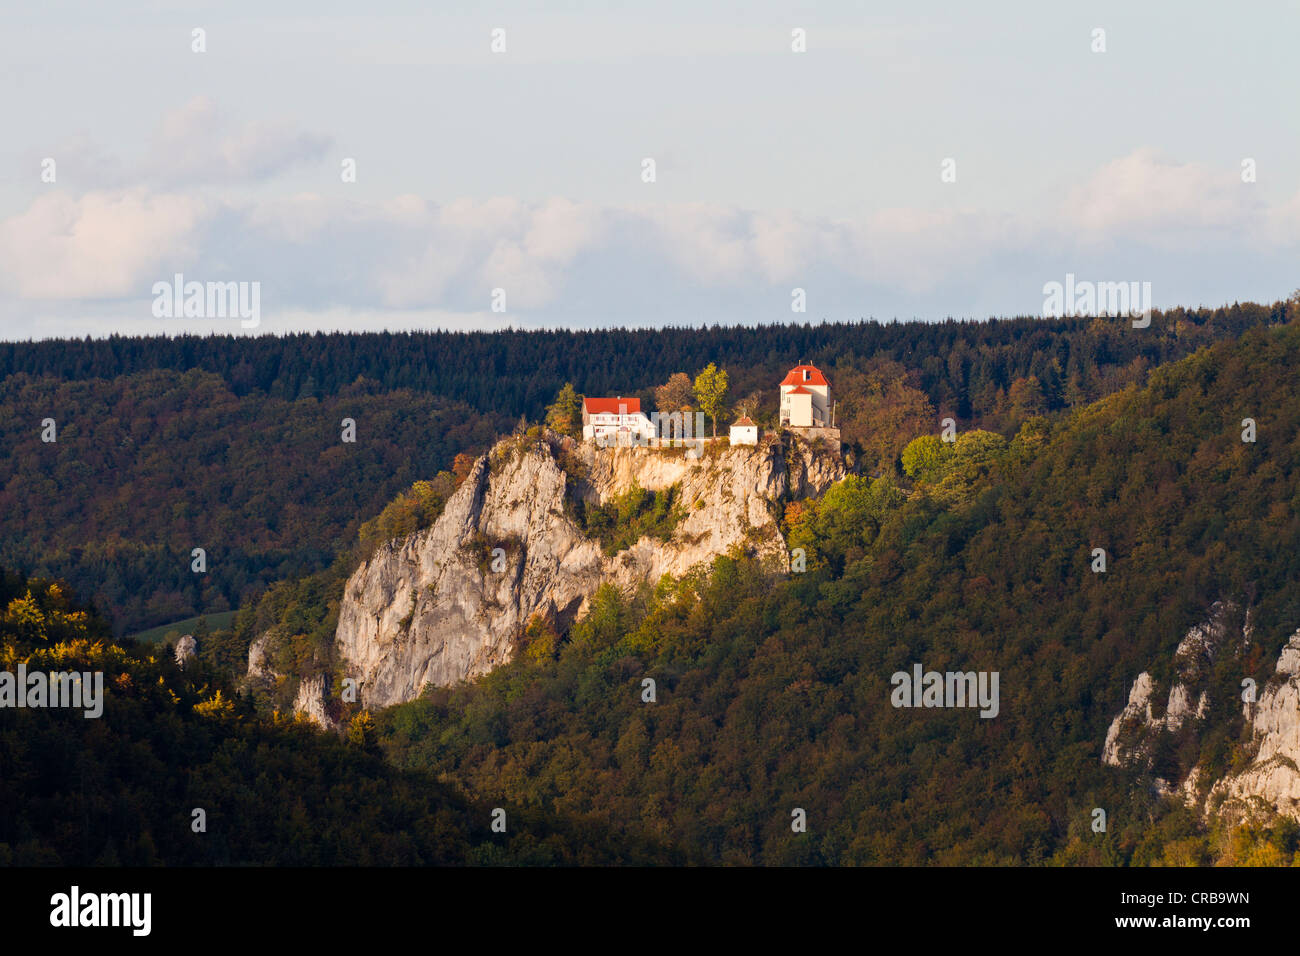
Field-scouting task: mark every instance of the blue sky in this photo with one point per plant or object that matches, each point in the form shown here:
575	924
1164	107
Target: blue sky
522	170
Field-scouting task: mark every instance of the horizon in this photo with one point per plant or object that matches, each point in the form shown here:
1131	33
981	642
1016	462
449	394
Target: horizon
611	328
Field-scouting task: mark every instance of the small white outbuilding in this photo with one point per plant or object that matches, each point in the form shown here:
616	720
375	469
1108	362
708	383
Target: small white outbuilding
744	431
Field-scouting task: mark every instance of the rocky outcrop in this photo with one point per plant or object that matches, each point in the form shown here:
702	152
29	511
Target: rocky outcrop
1270	781
266	684
1135	720
449	602
186	648
1135	732
310	702
1272	778
258	666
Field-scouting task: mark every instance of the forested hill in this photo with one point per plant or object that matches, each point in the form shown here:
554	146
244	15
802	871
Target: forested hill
149	466
959	365
775	698
972	556
125	789
233	444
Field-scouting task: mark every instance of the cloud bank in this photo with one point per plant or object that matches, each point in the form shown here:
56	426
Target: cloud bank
561	261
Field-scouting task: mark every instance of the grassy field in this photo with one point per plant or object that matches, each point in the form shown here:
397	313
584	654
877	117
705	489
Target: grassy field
216	622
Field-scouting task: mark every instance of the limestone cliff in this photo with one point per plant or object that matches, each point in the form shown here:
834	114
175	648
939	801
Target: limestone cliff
448	602
186	648
310	701
1135	731
1270	780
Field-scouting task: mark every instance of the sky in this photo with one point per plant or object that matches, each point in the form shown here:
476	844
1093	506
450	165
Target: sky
915	160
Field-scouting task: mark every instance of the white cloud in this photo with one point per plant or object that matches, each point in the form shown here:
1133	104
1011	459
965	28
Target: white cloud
786	245
1281	226
496	243
1149	194
709	242
574	262
102	245
195	144
559	229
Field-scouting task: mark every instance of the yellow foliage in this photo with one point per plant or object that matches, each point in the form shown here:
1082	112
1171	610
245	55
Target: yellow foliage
542	640
24	618
218	705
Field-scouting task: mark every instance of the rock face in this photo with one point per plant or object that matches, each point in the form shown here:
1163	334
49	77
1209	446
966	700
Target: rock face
1134	720
310	701
258	667
186	648
1270	782
1272	778
262	678
447	603
1135	731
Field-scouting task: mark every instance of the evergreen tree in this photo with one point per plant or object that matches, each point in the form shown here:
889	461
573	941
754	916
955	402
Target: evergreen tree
564	414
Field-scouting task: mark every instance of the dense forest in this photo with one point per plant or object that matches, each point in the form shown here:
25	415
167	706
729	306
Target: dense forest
961	366
235	444
772	698
122	789
772	692
147	467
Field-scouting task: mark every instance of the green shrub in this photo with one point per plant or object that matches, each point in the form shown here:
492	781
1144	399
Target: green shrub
625	519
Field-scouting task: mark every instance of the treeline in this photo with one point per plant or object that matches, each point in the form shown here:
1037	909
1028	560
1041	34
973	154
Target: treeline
960	365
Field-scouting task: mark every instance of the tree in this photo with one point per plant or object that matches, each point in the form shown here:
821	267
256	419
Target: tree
23	617
461	466
1026	399
563	413
979	447
711	392
675	395
361	731
924	458
749	403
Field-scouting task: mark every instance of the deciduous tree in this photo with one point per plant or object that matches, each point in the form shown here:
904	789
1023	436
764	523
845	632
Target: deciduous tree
676	394
711	392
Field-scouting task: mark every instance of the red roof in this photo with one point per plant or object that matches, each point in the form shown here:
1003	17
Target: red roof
610	406
742	422
798	391
796	376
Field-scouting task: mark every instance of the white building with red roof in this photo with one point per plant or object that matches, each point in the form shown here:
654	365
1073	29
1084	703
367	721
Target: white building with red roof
805	398
615	421
744	431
